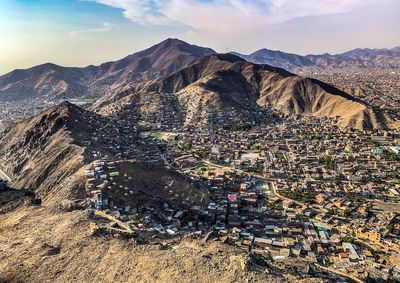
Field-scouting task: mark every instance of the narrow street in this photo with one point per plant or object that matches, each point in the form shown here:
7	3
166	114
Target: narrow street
270	184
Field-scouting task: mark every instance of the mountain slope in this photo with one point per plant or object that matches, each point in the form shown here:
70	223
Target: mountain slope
42	152
224	88
53	81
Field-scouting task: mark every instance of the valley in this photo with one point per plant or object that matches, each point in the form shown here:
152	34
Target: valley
219	168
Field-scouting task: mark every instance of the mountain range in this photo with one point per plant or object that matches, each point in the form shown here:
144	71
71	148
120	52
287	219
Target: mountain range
206	84
53	81
361	57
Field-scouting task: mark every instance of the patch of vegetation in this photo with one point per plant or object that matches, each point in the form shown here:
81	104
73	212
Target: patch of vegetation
308	198
185	146
392	155
250	169
348	239
202	154
331	211
157	135
327	162
346	212
273	206
206	168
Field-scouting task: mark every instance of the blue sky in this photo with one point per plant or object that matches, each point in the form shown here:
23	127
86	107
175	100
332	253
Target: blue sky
83	32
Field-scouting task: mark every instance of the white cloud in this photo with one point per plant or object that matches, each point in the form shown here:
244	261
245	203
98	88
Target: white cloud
103	28
283	10
227	15
146	12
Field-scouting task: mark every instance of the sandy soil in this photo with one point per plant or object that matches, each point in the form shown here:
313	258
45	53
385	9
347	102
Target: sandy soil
40	244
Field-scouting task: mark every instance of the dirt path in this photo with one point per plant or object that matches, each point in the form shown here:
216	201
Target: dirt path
4	176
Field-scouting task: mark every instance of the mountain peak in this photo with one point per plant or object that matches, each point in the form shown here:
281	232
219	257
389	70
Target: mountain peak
277	58
266	50
66	103
70	114
181	46
174	41
68	106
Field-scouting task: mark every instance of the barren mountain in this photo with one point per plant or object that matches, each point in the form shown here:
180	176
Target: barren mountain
47	80
41	153
365	58
53	81
277	58
222	88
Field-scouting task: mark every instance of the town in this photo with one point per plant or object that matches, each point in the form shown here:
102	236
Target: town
281	187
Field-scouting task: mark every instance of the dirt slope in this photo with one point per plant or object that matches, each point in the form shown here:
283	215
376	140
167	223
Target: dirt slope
38	244
43	152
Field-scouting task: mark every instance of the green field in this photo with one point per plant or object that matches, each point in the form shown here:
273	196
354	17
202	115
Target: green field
154	135
206	168
165	136
157	135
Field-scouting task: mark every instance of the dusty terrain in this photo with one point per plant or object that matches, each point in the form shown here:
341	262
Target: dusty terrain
40	244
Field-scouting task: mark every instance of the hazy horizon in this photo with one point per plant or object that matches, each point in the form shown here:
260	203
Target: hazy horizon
90	32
